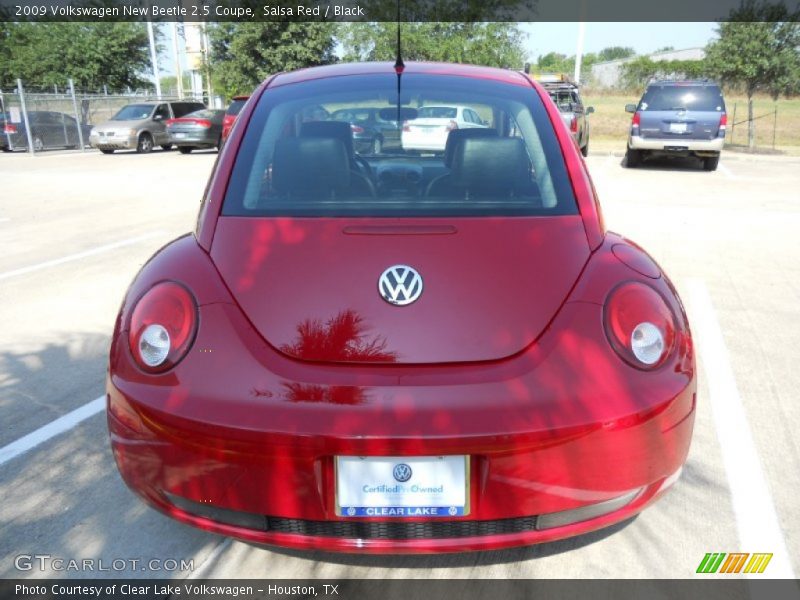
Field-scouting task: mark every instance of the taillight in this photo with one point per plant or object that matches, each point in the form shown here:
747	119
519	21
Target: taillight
639	325
406	126
573	125
162	327
723	121
205	123
356	129
169	122
637	119
452	125
9	128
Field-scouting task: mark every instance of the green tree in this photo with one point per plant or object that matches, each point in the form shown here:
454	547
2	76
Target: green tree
244	54
759	49
490	44
92	54
615	53
635	74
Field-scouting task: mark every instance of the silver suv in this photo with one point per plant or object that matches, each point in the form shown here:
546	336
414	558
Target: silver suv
140	126
678	118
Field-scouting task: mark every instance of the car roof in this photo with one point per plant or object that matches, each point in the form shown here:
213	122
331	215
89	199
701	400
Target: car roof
682	82
375	68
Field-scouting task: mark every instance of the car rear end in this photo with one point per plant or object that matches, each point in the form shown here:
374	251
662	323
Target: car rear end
233	110
311	395
428	132
199	129
680	118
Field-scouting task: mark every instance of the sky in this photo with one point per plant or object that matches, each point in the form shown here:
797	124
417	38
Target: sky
644	38
562	38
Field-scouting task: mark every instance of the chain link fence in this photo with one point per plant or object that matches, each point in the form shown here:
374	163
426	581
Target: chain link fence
61	119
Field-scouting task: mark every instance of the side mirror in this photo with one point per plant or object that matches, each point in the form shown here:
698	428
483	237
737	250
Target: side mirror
631	108
589	110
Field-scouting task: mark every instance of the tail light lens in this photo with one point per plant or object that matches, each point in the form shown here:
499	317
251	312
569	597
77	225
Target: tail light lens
637	119
356	129
573	125
452	125
163	326
639	325
204	123
406	126
723	122
9	128
169	122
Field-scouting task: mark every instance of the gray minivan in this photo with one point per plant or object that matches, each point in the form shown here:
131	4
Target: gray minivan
140	126
678	118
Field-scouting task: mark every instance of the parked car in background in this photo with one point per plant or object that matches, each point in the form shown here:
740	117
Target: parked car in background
428	132
140	126
370	132
199	129
49	129
567	97
3	135
411	353
678	119
231	113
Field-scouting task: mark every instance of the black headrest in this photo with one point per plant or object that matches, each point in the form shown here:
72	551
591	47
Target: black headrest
310	166
491	165
339	130
457	135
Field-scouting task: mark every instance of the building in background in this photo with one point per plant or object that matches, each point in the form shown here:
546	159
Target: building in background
608	74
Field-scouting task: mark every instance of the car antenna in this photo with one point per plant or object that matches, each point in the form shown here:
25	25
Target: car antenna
399	66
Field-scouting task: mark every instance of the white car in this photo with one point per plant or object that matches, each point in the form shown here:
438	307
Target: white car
428	132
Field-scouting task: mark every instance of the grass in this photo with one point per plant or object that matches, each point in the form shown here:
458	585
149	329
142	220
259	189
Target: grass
611	122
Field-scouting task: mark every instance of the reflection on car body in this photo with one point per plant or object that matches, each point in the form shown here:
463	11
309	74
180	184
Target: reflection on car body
404	351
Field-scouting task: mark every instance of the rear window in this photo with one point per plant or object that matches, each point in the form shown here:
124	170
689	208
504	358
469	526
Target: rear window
206	113
706	98
181	109
299	157
133	112
437	112
235	107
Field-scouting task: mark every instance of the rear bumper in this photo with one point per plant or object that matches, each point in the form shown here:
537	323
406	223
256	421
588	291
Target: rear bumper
193	140
113	143
247	448
636	142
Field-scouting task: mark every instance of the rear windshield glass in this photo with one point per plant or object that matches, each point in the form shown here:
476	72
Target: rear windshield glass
133	112
683	97
181	109
235	107
203	114
303	155
437	112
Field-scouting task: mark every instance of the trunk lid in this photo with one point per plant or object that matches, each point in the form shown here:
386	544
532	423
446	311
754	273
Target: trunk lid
310	286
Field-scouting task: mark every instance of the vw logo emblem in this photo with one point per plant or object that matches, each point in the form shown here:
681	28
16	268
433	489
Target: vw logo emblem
402	472
351	511
452	510
400	285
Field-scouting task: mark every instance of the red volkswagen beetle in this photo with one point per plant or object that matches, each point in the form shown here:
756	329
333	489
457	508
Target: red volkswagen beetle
403	351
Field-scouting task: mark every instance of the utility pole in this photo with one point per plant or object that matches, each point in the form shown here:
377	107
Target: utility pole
154	58
178	71
579	51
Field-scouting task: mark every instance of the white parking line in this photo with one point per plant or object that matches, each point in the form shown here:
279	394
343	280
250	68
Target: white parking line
726	171
51	430
79	255
756	520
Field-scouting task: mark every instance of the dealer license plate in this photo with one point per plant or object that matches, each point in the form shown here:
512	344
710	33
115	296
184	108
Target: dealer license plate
677	127
402	487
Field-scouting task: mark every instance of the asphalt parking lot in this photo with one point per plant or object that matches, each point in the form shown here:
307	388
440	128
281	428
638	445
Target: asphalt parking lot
76	227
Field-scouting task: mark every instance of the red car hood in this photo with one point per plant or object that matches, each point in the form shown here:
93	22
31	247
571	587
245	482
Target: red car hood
310	286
